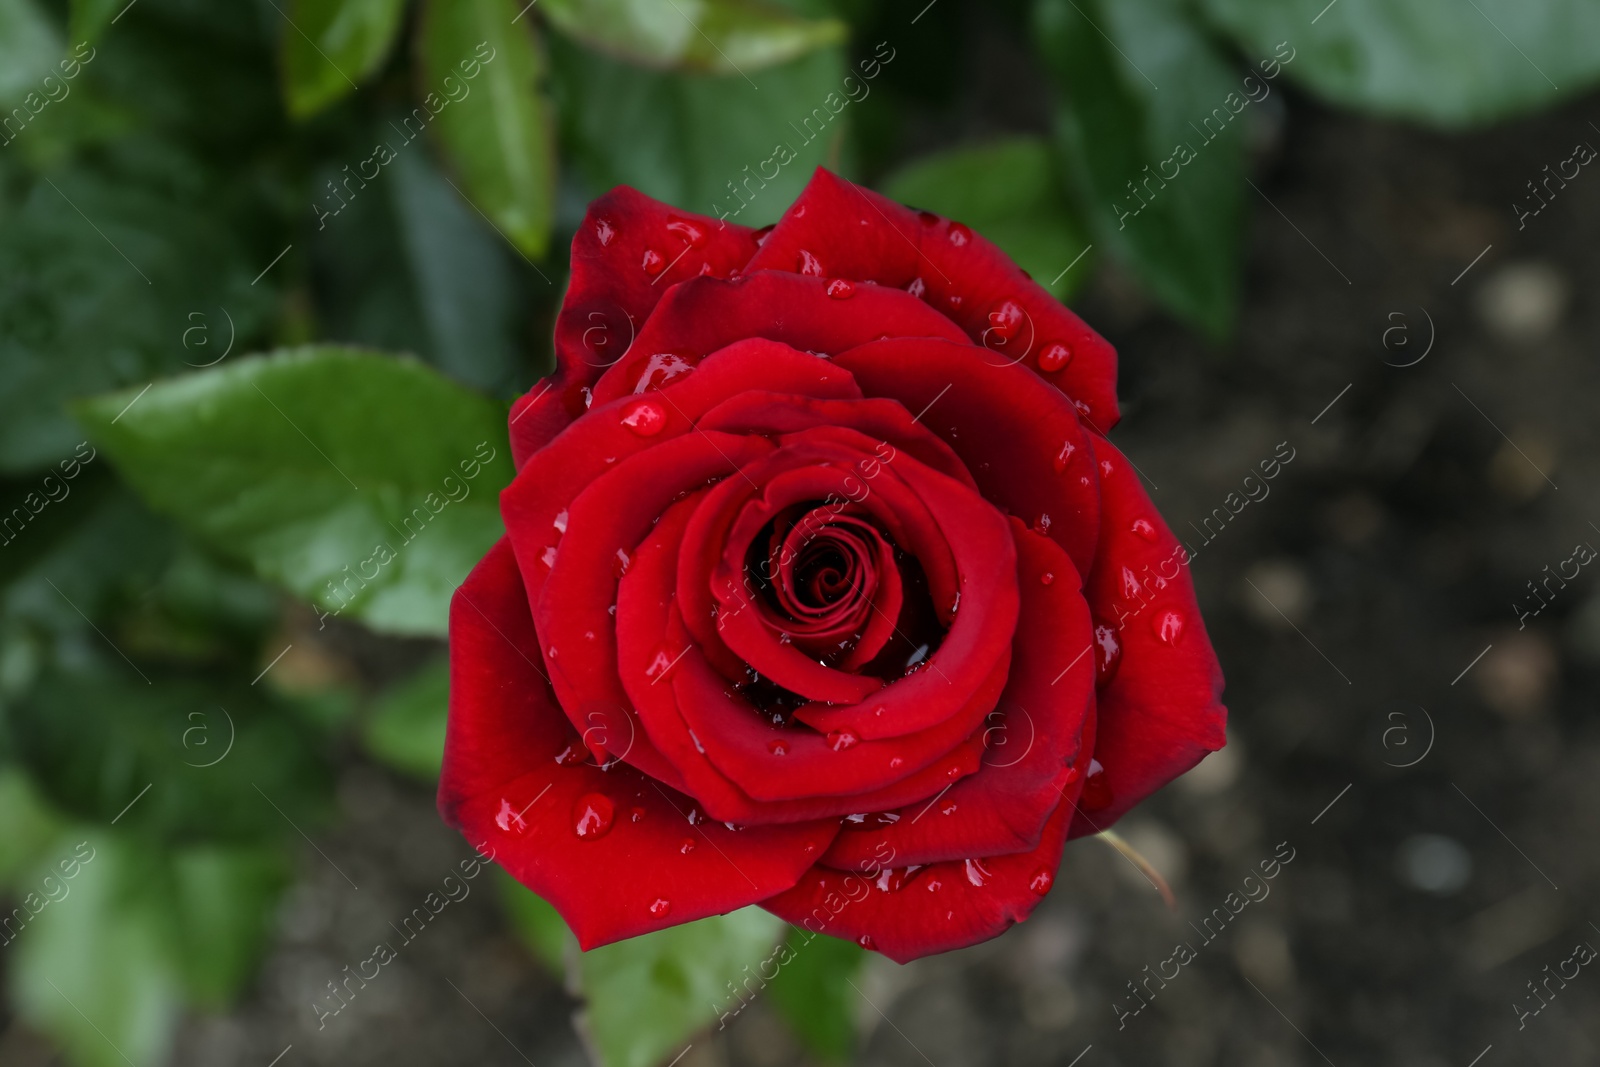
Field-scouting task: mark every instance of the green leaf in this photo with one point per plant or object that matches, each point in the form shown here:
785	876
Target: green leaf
538	924
94	969
330	45
812	991
176	759
647	995
1142	99
31	826
29	48
1008	191
90	18
131	934
708	36
690	141
406	730
481	74
1437	61
363	483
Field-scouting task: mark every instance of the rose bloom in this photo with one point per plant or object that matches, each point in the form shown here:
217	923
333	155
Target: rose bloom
822	588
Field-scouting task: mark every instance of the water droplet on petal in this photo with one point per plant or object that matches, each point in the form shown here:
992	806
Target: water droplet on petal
659	908
686	846
761	234
977	873
636	814
879	710
934	885
1041	881
1046	578
865	941
959	235
1006	320
644	417
1108	654
1106	468
778	748
1063	457
841	289
954	300
693	234
604	232
917	287
810	264
1145	529
571	755
947	808
619	564
896	763
663	368
653	263
560	521
1169	627
1096	790
1041	525
592	815
1055	356
839	740
548	556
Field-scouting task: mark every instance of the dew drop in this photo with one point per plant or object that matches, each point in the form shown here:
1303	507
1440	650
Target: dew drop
879	710
841	289
1041	881
659	908
1169	627
560	521
934	885
1006	320
1108	654
604	232
917	287
761	234
572	755
592	815
839	740
619	564
977	873
954	300
1055	356
778	748
1105	468
1041	525
693	234
959	235
1063	457
646	418
1096	790
663	368
1046	578
896	763
947	808
636	814
865	941
548	556
653	262
1144	528
686	846
810	264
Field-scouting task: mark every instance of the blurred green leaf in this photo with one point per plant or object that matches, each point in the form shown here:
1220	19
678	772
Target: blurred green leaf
406	729
1159	187
645	996
330	45
90	18
363	483
462	276
498	133
93	969
708	36
31	826
690	140
105	965
538	924
812	991
1008	191
224	903
1437	61
29	48
222	761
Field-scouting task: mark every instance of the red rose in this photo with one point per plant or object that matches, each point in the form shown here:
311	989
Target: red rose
822	589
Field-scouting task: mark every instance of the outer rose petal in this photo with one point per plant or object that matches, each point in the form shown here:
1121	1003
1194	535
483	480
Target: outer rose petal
612	291
1161	712
502	787
841	230
941	907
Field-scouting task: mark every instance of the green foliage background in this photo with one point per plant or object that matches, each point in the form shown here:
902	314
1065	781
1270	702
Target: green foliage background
185	184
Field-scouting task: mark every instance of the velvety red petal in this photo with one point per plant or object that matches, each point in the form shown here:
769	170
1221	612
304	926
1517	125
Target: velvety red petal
936	908
629	873
1161	712
841	230
1040	736
705	314
1020	438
